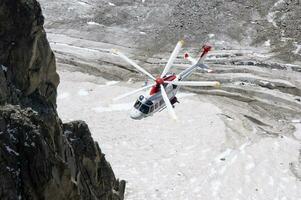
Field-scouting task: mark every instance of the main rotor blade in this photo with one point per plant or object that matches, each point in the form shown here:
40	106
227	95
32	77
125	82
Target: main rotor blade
205	68
195	83
172	58
125	58
169	107
132	92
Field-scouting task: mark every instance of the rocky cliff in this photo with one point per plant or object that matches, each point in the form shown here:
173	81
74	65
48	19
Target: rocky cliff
40	157
157	25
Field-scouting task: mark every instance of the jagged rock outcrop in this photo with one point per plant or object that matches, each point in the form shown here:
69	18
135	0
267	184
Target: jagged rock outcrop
40	157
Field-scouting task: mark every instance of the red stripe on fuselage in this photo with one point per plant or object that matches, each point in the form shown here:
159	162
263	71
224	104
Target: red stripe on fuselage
156	88
170	78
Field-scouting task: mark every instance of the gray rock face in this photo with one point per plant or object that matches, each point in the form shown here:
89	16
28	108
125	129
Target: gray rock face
41	158
25	51
157	25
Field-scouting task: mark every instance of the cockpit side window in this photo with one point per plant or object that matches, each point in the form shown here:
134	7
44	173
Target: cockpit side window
137	104
161	102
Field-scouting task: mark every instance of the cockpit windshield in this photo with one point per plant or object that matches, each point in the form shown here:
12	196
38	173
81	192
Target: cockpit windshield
143	107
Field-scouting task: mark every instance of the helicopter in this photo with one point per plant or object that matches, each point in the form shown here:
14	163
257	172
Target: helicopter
163	91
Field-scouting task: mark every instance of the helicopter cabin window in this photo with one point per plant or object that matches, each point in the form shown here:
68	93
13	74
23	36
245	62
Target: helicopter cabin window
137	104
152	108
161	102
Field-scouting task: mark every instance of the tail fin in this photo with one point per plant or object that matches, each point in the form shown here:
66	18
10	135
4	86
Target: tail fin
206	48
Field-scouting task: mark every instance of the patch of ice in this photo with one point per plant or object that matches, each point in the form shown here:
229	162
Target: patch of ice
4	68
111	4
183	95
10	150
83	92
261	55
291	65
11	134
83	3
298	49
10	169
296	121
63	95
110	83
211	35
271	17
278	2
267	43
114	107
131	80
93	23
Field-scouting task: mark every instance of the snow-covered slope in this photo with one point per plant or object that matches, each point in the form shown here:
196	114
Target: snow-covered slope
246	127
199	157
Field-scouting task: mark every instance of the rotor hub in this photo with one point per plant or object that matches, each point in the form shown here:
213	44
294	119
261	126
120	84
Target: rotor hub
159	81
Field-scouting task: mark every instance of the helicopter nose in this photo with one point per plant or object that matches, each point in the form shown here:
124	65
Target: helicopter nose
136	114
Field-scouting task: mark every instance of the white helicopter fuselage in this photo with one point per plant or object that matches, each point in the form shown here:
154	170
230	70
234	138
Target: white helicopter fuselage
153	102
